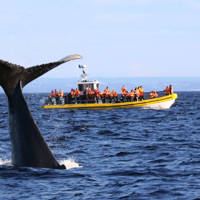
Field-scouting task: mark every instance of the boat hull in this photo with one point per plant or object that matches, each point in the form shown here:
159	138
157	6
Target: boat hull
160	103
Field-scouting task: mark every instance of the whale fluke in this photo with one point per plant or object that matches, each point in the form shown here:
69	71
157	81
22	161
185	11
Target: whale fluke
28	146
32	73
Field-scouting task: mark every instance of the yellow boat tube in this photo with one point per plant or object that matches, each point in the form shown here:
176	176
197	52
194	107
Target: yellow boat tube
159	103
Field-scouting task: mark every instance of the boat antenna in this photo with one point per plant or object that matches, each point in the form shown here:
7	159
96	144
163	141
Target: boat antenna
84	74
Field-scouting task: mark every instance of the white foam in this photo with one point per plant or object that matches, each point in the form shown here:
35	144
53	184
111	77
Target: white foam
70	164
5	162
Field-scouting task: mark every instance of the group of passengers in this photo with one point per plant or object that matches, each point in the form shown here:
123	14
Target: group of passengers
107	96
169	90
94	96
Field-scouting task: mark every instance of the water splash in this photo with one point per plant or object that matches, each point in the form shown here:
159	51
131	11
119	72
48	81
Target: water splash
5	162
70	164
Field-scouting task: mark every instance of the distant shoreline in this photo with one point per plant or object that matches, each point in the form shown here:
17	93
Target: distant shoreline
45	85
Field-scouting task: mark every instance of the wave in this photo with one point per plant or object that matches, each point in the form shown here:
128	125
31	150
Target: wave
70	164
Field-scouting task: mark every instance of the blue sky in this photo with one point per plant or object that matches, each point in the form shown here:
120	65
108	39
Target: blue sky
129	38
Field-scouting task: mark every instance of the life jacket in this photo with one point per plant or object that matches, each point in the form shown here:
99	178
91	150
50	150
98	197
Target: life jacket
124	89
132	94
61	93
151	95
114	93
141	91
167	91
72	92
77	93
52	94
137	92
55	92
155	94
106	92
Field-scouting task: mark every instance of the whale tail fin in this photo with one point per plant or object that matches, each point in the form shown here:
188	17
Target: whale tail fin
34	72
11	74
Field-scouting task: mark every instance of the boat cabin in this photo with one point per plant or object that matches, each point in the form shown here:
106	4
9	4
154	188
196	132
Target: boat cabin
85	83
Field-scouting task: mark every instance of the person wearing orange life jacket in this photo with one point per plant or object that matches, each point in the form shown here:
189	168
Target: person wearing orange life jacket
123	89
77	95
72	93
115	96
61	94
111	96
170	89
141	91
167	90
132	95
96	95
51	97
105	95
55	93
107	92
137	93
124	94
155	94
51	94
90	95
151	94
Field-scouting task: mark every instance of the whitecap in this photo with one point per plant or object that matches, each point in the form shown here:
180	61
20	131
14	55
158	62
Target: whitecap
5	161
70	163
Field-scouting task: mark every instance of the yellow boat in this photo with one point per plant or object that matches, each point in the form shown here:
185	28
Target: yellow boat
159	103
163	102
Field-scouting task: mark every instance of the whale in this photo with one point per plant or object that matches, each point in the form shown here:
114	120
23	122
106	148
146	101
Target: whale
28	147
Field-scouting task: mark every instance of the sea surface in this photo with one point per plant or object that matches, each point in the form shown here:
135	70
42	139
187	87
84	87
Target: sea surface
110	154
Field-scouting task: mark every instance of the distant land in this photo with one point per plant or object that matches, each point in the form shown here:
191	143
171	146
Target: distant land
45	85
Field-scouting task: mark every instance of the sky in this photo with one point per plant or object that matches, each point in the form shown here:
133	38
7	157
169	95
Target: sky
129	38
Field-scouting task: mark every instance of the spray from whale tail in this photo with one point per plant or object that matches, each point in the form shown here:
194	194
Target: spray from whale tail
28	146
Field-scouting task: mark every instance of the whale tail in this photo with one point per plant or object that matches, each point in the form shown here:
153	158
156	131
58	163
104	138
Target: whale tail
11	74
28	146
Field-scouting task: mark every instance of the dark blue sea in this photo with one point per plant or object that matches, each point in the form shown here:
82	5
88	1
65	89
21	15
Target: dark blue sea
110	154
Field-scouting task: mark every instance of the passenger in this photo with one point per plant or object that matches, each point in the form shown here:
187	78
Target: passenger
132	95
90	95
55	93
102	96
77	95
61	94
107	93
52	94
170	89
72	94
167	90
96	95
124	95
137	94
115	96
111	97
153	94
123	89
141	93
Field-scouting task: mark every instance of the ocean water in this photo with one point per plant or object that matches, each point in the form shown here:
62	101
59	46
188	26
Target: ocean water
110	154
